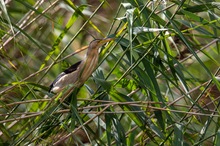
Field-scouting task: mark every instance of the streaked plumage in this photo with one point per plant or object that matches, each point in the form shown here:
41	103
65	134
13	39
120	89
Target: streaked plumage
78	73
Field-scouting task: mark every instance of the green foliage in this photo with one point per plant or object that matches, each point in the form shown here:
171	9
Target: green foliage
157	83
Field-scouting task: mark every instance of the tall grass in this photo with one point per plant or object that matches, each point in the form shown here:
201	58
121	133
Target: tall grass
157	83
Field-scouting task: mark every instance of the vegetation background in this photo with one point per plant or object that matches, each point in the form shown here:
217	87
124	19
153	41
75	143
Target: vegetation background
157	83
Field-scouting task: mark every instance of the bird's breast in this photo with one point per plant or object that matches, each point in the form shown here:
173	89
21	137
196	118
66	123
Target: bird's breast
88	66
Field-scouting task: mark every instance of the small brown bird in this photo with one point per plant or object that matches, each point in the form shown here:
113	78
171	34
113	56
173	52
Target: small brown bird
79	72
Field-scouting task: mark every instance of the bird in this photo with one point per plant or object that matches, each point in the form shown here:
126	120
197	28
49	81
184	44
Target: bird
79	72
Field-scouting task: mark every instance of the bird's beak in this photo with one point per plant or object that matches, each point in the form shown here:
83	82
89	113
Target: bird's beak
105	40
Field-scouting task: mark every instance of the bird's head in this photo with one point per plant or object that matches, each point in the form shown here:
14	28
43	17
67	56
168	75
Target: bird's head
97	43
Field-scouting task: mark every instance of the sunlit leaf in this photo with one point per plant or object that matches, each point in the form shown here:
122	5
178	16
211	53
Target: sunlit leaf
137	30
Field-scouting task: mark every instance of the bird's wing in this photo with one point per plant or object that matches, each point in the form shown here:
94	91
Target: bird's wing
71	69
55	81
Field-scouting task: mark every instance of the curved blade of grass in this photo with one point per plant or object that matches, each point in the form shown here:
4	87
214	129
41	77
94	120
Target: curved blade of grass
4	10
178	135
115	130
146	11
40	120
217	138
72	5
71	21
140	119
33	9
108	128
186	42
199	8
